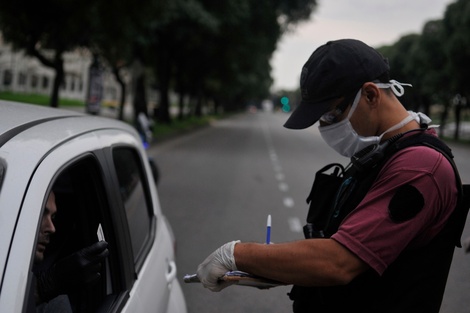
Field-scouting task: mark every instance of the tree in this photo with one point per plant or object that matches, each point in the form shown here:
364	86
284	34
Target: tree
207	49
47	29
182	35
429	64
220	50
398	56
434	61
456	29
122	37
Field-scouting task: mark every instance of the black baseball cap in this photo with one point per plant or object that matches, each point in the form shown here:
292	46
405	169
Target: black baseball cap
334	70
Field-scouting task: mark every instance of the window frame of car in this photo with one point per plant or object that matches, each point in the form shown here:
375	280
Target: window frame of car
114	227
125	266
138	256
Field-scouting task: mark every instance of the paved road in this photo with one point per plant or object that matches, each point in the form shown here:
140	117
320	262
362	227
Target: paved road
220	183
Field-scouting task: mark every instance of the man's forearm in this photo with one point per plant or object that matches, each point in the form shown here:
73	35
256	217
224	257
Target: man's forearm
312	262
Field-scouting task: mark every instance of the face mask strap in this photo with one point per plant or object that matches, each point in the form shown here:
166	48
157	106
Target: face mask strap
396	87
354	105
402	123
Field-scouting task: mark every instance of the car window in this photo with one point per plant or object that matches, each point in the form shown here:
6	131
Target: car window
83	218
135	196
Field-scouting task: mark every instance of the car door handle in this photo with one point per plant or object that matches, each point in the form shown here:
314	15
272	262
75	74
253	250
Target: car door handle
171	274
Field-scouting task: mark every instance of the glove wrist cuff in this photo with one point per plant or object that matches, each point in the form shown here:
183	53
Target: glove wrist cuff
231	264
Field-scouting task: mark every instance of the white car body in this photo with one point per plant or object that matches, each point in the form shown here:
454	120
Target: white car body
90	159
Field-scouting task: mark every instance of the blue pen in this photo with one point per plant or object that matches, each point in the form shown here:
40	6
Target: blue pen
268	230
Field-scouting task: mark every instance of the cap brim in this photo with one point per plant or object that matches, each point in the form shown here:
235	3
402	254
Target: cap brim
306	114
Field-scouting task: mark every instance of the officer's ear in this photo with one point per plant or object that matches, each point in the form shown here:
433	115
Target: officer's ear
372	93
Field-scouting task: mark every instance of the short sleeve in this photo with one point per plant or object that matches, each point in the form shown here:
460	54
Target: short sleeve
378	237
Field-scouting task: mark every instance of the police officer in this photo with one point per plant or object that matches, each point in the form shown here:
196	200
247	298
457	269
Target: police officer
392	252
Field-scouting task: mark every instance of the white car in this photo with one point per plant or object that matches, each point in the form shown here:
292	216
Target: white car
106	192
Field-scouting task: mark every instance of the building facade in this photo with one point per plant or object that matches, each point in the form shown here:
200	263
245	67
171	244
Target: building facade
20	73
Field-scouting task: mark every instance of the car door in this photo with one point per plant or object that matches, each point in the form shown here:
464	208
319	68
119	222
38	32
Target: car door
18	283
151	241
135	277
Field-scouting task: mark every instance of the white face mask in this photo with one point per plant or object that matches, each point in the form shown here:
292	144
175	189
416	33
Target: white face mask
343	138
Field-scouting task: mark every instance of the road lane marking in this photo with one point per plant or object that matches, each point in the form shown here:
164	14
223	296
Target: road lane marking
280	176
295	225
277	168
288	202
273	155
283	186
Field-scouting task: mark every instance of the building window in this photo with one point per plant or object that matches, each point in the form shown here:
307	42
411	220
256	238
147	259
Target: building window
22	79
7	78
72	83
34	81
45	82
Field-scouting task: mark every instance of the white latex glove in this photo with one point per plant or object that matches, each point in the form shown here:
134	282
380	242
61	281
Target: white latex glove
216	265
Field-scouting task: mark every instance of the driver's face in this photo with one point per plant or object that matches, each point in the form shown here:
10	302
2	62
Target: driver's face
47	227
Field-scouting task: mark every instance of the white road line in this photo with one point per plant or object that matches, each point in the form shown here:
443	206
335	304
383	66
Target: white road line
283	186
288	202
277	168
279	176
295	225
273	156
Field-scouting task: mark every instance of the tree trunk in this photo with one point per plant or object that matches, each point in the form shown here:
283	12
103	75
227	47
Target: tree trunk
140	102
57	64
163	74
181	106
59	78
457	111
140	97
198	108
444	115
122	100
162	111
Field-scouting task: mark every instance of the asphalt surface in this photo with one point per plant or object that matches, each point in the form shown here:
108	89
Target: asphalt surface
220	183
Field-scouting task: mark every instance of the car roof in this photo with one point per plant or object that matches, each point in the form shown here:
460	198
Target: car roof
29	132
17	117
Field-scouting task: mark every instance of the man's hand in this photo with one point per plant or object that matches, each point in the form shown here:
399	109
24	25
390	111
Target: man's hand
77	269
216	265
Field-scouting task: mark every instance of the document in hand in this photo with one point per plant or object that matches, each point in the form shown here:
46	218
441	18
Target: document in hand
241	279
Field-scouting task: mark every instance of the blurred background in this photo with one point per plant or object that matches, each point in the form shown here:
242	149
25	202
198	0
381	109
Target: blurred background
187	63
185	58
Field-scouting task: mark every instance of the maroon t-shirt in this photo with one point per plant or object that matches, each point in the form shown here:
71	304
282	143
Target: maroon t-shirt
369	231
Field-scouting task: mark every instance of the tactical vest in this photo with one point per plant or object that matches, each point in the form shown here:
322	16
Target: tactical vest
415	281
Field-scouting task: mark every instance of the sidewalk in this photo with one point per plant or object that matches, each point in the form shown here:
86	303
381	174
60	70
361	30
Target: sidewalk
113	112
107	112
464	133
128	116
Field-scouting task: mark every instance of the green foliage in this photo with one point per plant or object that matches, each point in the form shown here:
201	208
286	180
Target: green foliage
209	50
220	50
37	99
457	44
181	126
57	26
435	62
